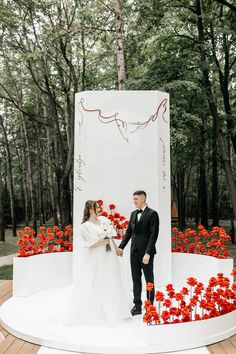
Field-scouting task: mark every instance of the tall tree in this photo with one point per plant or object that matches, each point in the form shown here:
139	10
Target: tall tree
120	47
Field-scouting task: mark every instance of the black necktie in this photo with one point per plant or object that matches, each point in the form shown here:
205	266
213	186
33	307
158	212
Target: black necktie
140	211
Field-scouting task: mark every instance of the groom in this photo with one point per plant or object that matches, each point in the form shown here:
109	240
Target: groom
143	230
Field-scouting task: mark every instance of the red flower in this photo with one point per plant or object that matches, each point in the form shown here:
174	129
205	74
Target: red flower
176	320
165	315
185	290
174	311
147	317
224	282
203	303
169	287
155	317
185	311
205	316
159	296
112	206
200	227
186	318
191	281
213	282
179	296
149	286
171	294
147	304
233	273
122	218
167	303
152	308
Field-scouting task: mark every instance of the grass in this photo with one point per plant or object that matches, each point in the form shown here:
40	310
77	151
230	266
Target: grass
10	245
6	272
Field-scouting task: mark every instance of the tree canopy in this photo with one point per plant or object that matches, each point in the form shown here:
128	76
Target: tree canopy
54	48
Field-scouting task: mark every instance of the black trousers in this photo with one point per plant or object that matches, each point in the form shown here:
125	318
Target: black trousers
136	269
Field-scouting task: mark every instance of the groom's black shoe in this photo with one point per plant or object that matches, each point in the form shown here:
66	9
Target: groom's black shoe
136	310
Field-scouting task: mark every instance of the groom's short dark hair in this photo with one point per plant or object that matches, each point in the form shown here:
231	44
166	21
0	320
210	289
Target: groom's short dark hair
139	192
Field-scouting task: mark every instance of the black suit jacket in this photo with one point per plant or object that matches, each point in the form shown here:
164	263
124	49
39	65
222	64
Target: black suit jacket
144	234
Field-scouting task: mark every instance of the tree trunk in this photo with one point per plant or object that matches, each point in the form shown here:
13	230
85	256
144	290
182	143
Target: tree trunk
30	175
181	199
25	189
224	83
215	180
202	176
50	159
2	224
214	111
65	193
40	197
65	201
9	177
120	47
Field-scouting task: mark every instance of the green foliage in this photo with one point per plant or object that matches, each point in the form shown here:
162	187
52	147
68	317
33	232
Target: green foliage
52	49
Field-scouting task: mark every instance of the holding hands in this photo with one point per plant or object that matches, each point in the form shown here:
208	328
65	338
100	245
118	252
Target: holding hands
146	258
119	252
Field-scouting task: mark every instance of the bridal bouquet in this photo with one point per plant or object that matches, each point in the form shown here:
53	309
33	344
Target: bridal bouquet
108	232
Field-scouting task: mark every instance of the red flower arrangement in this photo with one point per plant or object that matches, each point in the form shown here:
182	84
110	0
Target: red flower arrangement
47	241
119	222
210	243
197	303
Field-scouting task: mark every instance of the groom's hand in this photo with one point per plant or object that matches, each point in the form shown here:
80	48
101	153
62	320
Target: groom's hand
119	252
146	258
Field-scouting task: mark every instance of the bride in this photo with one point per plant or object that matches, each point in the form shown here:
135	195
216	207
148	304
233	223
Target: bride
99	294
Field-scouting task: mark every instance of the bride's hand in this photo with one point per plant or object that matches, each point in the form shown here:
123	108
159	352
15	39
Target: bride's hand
105	241
100	242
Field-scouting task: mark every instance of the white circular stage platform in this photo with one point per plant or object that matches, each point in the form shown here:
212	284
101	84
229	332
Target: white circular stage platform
34	314
36	318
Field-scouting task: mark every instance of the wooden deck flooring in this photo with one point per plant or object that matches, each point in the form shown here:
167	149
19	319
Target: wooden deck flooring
14	345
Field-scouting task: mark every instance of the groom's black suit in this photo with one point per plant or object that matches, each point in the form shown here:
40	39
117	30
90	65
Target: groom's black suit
144	234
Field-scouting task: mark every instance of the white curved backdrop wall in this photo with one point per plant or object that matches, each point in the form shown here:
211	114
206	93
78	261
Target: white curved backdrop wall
121	145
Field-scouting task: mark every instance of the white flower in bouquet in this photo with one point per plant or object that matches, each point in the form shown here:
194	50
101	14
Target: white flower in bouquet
108	232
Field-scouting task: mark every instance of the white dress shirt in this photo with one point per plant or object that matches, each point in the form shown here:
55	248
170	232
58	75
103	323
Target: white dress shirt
139	214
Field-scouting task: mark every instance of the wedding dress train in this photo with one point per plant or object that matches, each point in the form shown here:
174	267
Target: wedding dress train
99	294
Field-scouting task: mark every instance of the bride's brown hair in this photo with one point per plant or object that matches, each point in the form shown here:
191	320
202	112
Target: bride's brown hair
89	204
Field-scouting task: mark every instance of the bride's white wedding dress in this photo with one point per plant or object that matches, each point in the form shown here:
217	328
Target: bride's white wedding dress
99	294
